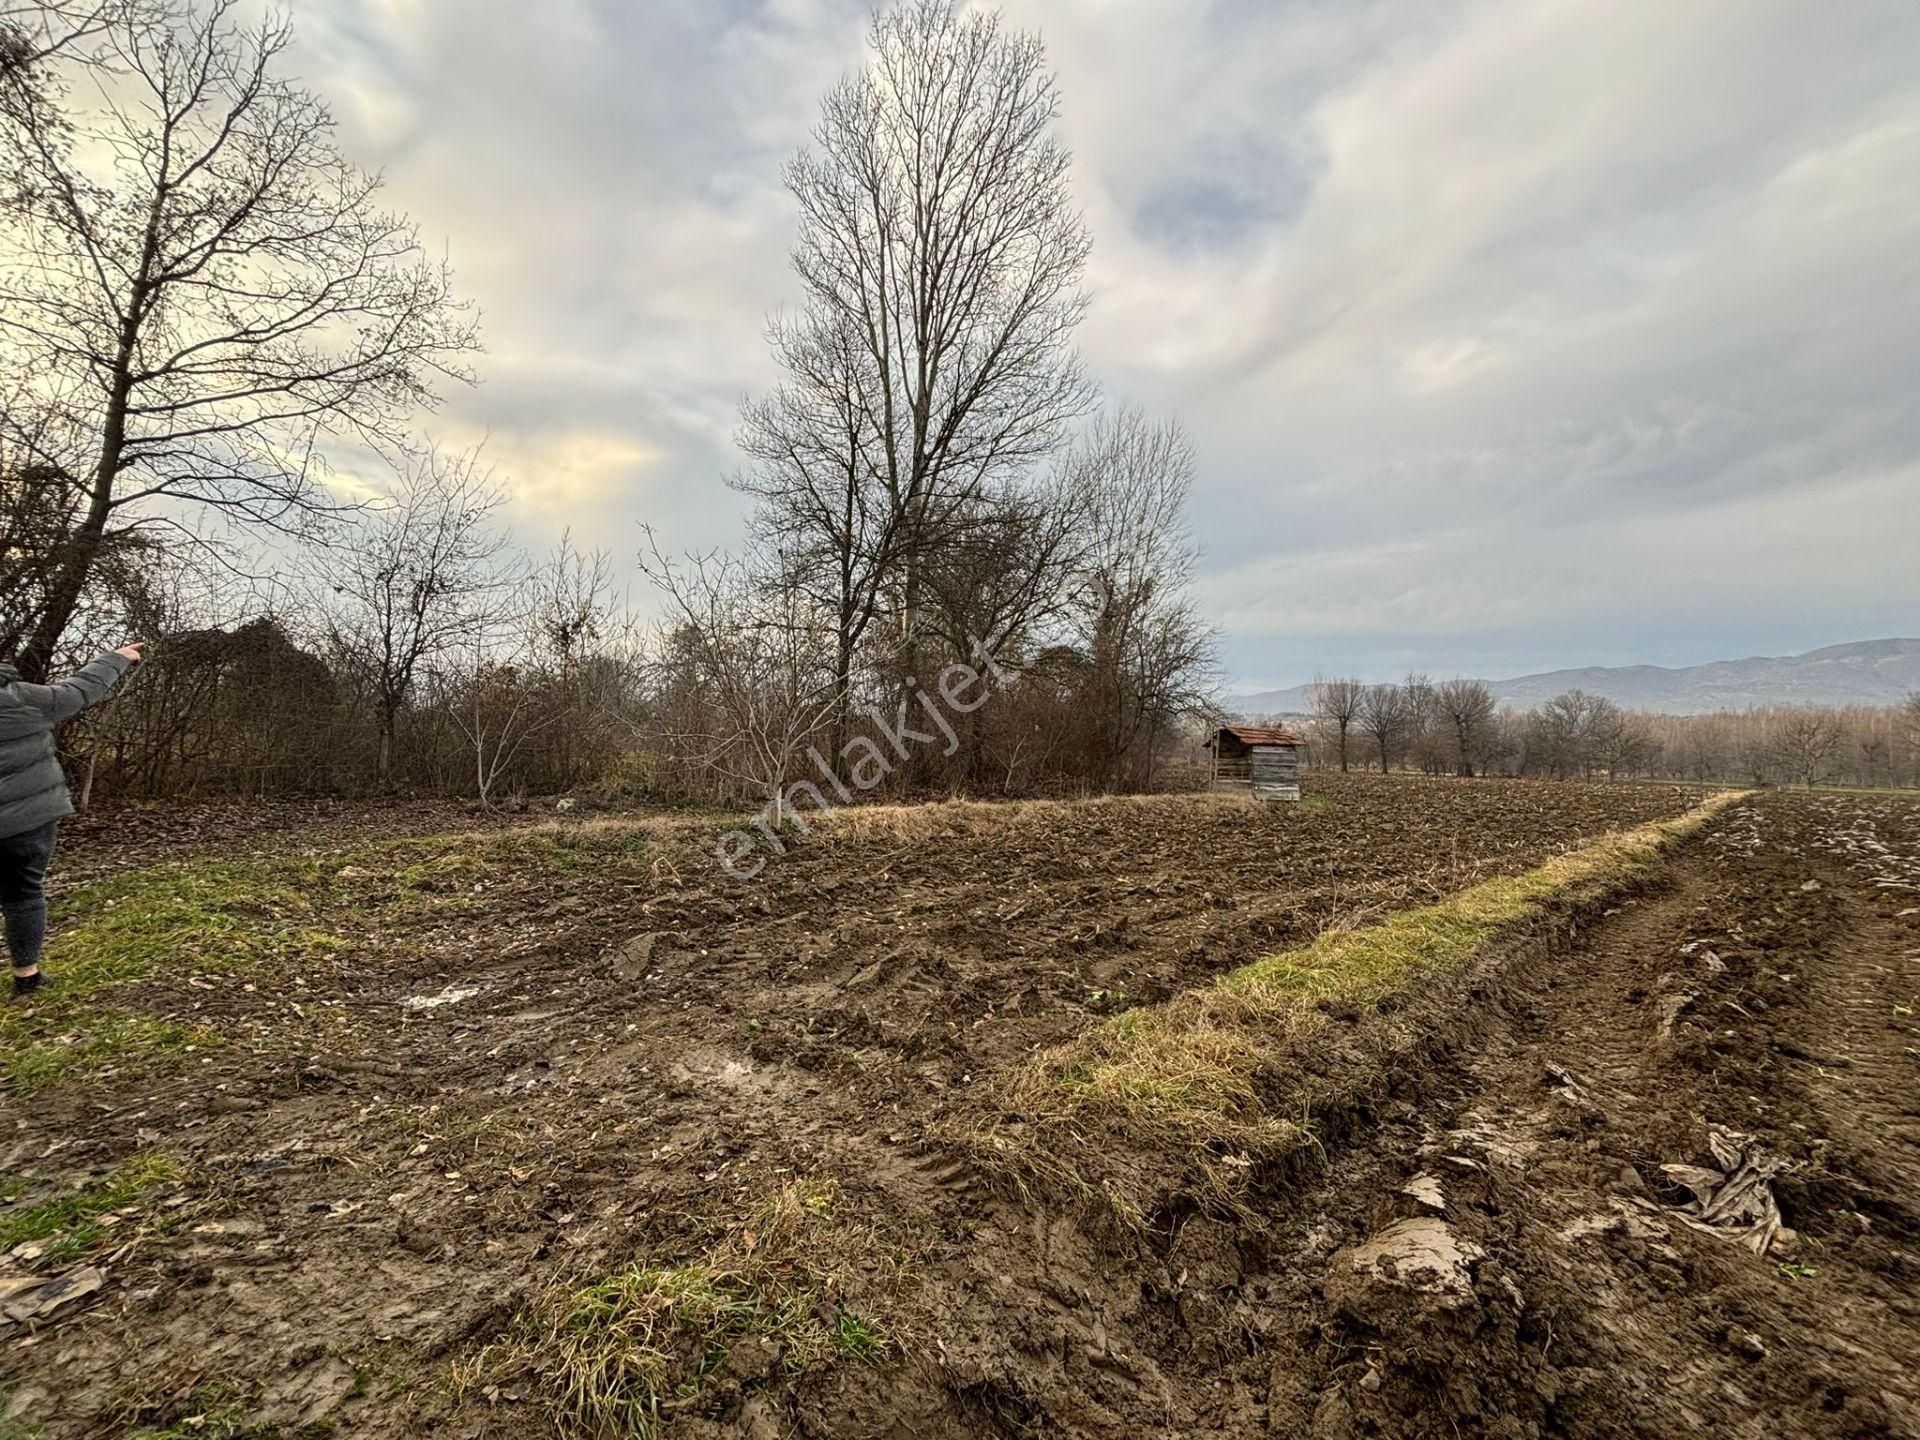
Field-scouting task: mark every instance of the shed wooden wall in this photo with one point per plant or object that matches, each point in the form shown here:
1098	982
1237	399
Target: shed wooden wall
1276	770
1272	772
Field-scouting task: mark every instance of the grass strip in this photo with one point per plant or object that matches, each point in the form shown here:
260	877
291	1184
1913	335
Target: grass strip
1195	1074
199	916
211	915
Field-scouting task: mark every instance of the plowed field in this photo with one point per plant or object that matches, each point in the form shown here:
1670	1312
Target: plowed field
563	1130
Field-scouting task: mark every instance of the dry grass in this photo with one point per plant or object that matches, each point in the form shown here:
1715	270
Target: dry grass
613	1359
1191	1076
943	818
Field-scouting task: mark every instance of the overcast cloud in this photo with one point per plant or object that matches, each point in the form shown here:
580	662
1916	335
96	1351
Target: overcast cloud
1510	335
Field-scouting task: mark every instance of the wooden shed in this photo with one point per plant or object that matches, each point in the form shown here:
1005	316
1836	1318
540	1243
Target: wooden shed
1257	758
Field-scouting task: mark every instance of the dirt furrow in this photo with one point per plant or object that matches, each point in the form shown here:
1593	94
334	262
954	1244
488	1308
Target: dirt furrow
1579	1301
636	1055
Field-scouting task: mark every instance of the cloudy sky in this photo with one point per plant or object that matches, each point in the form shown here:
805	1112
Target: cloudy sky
1510	335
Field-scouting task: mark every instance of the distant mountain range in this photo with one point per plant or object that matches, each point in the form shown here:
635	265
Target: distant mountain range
1866	672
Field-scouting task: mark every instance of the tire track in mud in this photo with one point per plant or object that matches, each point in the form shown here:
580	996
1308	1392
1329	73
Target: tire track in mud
1868	1014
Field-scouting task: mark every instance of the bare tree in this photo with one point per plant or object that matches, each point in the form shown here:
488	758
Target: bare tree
497	700
210	285
1337	705
1467	708
825	506
581	639
1574	733
1619	742
1806	742
1559	734
746	674
1385	715
423	577
1009	583
1151	656
940	255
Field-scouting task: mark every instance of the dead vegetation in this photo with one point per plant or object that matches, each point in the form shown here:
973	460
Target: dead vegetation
768	1295
956	818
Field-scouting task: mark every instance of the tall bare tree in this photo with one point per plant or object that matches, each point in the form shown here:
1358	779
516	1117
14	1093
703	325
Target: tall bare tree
209	283
423	577
1385	715
931	362
1467	708
1337	705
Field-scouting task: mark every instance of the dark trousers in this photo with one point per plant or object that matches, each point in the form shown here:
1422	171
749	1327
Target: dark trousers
23	872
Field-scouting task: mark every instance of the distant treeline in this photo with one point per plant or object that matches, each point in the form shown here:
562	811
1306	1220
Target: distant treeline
1455	727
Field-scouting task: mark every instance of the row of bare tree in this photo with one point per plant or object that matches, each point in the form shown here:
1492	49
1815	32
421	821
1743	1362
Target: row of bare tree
1455	727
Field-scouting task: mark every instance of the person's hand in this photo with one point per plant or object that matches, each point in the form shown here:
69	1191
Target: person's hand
131	650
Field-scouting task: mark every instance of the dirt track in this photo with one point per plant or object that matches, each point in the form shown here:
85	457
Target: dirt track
371	1200
1768	987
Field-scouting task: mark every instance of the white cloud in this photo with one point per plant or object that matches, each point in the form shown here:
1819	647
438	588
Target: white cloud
1502	329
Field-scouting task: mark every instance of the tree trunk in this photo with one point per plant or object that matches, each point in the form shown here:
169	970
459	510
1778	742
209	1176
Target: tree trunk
384	772
36	660
83	546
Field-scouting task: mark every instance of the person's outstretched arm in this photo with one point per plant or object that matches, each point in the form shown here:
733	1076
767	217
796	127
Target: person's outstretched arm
86	687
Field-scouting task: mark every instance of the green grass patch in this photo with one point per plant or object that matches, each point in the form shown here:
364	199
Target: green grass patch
80	1043
71	1221
216	1410
209	915
611	1358
1190	1075
201	916
857	1338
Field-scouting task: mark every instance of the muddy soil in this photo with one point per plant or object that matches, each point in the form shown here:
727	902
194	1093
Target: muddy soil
108	839
626	1052
1501	1250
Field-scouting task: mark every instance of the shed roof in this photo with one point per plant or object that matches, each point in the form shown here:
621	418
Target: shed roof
1260	735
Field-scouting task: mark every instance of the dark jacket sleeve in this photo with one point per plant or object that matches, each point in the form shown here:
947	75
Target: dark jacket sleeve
83	689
